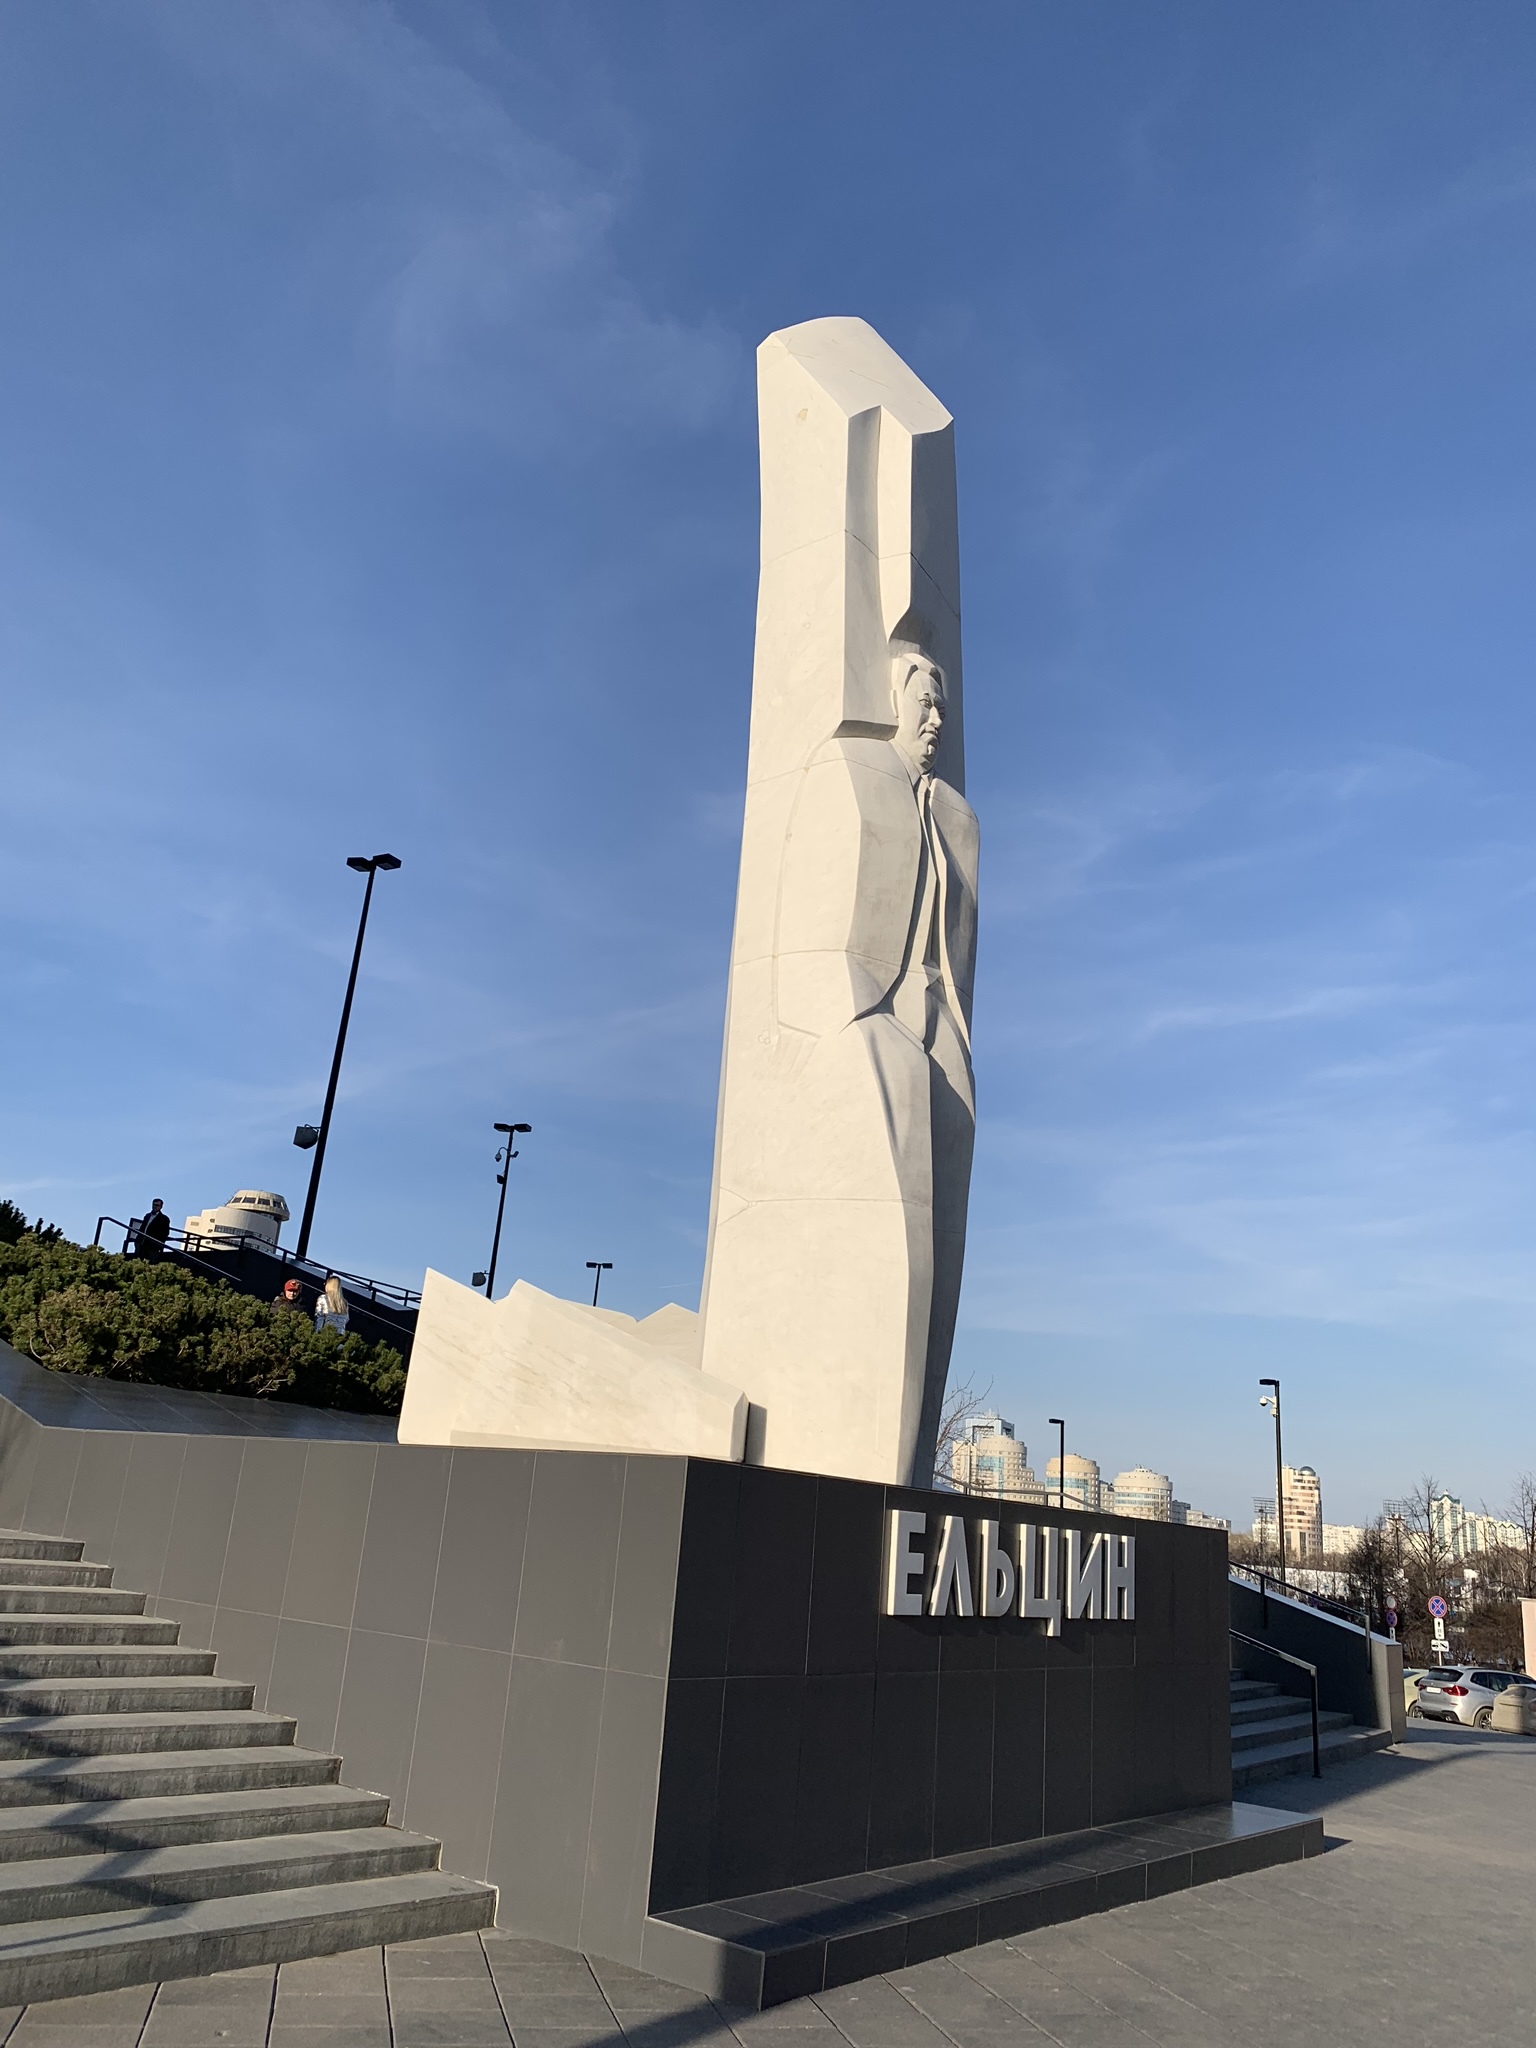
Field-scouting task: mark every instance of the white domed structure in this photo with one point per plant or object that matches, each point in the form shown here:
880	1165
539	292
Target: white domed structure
249	1212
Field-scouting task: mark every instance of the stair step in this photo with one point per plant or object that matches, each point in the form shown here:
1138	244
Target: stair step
1289	1759
1285	1728
1253	1688
69	1600
62	1630
40	1663
28	1571
101	1951
161	1774
149	1695
1245	1710
153	1825
58	1887
23	1543
59	1735
99	1826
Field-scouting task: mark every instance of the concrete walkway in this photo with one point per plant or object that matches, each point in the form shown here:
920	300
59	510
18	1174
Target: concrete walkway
1423	1906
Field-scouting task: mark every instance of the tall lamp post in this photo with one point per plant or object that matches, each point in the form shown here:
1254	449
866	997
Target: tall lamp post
1272	1403
597	1268
306	1135
510	1131
1061	1460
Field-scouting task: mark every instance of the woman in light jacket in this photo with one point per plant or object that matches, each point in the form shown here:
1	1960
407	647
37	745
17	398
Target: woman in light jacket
331	1309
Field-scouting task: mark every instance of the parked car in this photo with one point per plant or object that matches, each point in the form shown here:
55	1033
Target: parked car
1458	1692
1411	1676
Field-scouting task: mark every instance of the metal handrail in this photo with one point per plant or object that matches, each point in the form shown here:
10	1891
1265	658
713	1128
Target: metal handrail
1304	1597
1301	1663
384	1291
353	1308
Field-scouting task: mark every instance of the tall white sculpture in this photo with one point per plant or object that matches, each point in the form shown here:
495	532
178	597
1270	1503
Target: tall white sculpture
847	1112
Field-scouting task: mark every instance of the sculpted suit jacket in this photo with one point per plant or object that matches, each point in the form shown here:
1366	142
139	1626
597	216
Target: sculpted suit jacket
857	887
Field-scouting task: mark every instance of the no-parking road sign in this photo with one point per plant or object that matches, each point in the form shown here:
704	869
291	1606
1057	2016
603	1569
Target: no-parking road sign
1438	1608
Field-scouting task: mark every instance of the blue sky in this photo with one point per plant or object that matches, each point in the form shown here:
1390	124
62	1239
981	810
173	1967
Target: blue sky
377	470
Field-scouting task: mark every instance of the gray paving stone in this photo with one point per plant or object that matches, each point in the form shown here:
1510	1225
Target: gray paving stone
798	2013
359	1969
449	2028
556	2009
560	2037
98	2008
31	2033
332	2009
329	2037
875	2015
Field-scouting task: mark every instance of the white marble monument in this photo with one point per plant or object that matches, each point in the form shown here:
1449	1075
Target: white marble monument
847	1112
843	1153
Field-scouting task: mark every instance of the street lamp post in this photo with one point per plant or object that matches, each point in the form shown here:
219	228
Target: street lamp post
306	1136
1061	1460
597	1268
1272	1403
510	1130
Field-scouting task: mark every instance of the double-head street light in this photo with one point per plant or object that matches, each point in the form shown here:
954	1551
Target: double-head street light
504	1159
306	1137
1272	1403
1061	1461
597	1268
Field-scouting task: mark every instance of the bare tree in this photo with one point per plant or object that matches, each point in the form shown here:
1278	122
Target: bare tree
1522	1509
961	1402
1373	1571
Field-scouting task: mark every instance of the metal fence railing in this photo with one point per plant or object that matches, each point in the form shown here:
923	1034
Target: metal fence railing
1269	1650
193	1245
1305	1597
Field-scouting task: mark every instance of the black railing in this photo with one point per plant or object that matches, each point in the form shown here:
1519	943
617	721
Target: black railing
1304	1597
191	1244
1253	1643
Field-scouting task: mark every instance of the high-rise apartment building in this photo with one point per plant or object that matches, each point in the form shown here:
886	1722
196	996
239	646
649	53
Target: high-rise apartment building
990	1459
1080	1486
1146	1496
1303	1496
1470	1535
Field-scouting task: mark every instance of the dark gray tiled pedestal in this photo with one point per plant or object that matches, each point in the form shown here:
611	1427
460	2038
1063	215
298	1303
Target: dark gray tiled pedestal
621	1688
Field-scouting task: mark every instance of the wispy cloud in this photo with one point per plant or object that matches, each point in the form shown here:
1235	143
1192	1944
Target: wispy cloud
477	263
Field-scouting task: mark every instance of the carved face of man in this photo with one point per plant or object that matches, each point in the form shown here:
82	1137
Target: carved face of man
919	705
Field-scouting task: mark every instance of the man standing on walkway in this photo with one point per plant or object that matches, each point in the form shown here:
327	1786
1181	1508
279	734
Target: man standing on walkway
153	1230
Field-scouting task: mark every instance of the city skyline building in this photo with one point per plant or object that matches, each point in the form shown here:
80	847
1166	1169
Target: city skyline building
989	1459
1302	1492
1081	1487
1145	1495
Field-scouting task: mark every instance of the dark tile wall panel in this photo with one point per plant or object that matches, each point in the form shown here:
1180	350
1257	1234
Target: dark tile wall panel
480	1565
404	1538
100	1476
609	1684
544	1807
939	1737
53	1481
147	1509
261	1534
308	1660
618	1873
456	1757
21	1442
200	1524
328	1529
570	1560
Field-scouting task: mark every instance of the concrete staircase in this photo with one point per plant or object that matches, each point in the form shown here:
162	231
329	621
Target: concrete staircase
153	1825
1272	1734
